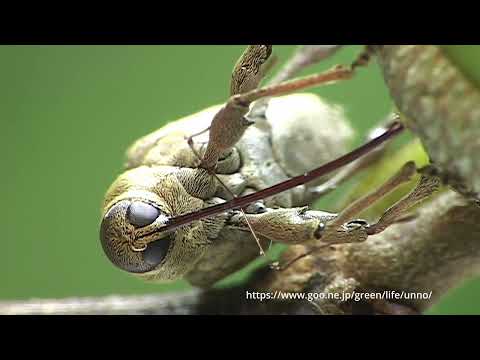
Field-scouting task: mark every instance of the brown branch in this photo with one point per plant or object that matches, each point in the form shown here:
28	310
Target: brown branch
173	303
441	106
193	302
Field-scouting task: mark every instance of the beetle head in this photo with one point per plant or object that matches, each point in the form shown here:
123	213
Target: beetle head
137	205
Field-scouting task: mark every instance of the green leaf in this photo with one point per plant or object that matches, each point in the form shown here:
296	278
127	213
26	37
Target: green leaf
466	58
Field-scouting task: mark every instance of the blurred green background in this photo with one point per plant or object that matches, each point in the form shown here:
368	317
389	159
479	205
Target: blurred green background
68	114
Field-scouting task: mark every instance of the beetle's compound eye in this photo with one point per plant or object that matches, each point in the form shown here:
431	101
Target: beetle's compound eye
116	242
141	214
156	251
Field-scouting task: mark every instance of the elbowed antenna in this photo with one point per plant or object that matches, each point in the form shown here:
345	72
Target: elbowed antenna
240	202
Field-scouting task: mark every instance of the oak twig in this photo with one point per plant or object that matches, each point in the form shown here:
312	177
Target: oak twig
441	106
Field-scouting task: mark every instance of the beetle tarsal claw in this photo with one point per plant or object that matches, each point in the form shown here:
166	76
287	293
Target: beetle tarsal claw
353	231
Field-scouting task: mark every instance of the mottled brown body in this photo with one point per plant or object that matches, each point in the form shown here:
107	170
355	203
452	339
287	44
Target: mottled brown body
297	133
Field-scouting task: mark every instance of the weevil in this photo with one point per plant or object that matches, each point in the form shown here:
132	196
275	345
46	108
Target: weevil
197	193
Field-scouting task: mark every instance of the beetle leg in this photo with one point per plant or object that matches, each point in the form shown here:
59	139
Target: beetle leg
404	175
285	225
318	228
333	232
250	68
337	73
426	186
230	123
303	57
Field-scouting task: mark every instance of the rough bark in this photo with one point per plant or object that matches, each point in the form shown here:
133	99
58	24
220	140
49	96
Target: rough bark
441	106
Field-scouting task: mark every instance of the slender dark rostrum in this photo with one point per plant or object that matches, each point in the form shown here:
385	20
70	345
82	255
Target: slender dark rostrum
395	129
